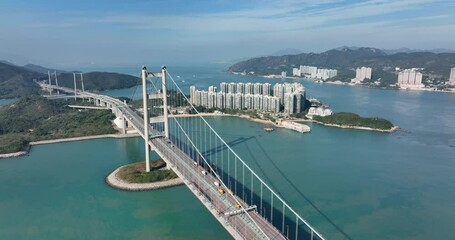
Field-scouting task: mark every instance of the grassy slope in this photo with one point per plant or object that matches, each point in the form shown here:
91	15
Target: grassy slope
17	82
36	118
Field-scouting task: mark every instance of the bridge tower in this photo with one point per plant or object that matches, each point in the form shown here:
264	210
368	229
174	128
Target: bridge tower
50	83
146	118
75	88
165	109
56	81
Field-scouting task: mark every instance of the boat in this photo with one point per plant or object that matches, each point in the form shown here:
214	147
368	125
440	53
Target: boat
268	129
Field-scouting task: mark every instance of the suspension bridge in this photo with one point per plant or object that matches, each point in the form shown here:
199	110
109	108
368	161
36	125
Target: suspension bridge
245	205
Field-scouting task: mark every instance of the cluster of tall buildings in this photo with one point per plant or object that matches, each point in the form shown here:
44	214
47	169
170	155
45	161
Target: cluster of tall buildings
252	96
452	76
410	78
314	72
361	74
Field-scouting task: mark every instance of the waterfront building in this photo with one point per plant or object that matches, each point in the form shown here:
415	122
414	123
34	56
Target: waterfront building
308	71
231	87
224	87
264	100
283	74
410	78
318	111
257	88
212	89
289	103
204	98
257	102
266	88
362	74
238	101
229	102
211	103
296	72
240	87
325	74
248	88
192	94
452	76
220	100
278	91
248	101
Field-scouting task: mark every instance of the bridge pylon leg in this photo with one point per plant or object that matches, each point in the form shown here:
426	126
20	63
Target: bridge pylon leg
146	118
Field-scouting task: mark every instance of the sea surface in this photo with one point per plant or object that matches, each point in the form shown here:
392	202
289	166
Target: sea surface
349	184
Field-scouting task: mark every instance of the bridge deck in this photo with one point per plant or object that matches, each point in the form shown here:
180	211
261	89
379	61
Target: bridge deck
240	225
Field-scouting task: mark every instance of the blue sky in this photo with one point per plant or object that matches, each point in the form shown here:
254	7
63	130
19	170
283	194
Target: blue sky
133	32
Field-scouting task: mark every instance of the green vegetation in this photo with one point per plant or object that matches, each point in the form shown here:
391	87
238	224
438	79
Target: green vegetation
135	173
16	81
36	118
98	81
346	60
354	120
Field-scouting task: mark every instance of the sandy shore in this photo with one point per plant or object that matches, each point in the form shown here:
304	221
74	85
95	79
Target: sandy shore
393	129
26	151
114	181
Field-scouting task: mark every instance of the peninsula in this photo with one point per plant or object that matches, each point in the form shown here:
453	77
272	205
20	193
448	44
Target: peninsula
20	81
36	118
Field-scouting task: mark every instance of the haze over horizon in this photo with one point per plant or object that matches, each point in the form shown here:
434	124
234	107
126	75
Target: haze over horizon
86	33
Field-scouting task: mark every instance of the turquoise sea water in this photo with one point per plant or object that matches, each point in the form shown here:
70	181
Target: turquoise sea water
370	185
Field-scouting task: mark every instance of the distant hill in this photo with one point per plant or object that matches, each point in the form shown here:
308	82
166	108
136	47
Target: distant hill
346	59
98	81
16	81
41	69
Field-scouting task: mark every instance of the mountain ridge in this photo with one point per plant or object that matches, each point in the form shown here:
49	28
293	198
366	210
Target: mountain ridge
346	59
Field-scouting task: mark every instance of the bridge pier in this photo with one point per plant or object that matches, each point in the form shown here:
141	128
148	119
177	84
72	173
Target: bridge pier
123	124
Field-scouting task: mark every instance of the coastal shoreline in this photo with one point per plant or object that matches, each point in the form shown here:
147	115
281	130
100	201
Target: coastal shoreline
393	129
268	122
115	182
340	83
61	140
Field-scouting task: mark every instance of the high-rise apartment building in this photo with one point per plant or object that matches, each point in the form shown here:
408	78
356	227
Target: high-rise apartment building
231	87
220	100
362	74
248	88
266	89
257	88
410	78
192	94
452	76
246	99
223	87
212	89
238	101
240	87
229	102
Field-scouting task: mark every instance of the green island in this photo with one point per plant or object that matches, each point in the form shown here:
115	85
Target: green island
36	118
135	173
345	119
